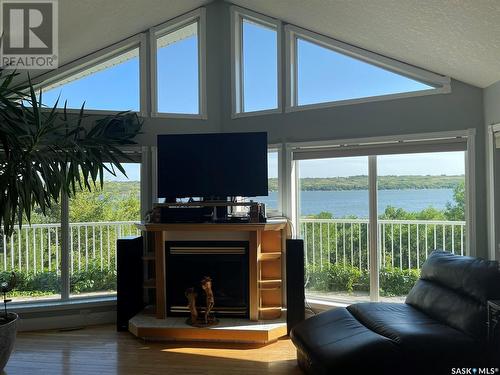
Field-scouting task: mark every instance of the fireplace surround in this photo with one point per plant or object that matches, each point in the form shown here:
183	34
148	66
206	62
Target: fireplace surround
266	275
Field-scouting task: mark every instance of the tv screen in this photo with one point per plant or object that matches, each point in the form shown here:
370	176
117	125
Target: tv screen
215	165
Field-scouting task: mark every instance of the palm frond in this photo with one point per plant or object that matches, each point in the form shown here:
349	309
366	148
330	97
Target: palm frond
46	152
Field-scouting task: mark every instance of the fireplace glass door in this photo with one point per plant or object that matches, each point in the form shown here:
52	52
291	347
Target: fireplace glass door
225	262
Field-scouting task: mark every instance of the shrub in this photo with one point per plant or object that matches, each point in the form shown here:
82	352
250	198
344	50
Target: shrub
333	277
93	279
396	282
49	282
339	278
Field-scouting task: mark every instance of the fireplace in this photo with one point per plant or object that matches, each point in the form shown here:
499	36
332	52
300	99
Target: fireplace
226	262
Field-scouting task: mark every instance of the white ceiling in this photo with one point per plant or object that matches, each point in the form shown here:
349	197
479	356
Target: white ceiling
86	26
459	38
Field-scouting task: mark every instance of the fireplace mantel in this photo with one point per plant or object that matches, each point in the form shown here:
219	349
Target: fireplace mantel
266	265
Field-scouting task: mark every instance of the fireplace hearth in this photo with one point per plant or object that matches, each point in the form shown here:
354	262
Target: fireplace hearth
187	263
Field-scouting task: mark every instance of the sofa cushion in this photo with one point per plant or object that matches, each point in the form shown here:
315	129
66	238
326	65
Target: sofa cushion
416	332
454	289
473	277
336	341
449	307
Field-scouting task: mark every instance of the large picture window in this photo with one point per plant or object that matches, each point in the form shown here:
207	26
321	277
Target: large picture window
362	248
96	220
33	252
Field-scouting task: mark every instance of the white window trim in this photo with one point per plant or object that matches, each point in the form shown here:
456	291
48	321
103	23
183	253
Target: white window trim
96	58
237	92
490	185
470	191
442	83
199	16
277	148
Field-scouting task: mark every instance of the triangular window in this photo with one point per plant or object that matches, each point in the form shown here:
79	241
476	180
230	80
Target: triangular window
109	85
324	75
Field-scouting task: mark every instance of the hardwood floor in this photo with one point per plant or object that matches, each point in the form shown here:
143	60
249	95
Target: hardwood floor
102	350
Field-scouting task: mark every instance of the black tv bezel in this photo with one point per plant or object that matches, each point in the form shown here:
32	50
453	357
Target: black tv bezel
216	196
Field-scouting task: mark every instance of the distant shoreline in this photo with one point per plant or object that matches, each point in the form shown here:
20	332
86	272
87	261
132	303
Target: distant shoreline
355	183
384	183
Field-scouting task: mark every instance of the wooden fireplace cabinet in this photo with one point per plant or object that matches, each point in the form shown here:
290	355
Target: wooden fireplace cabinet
267	242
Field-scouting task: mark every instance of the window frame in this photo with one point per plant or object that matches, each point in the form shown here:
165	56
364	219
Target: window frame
79	65
341	148
238	15
66	298
277	148
441	83
156	32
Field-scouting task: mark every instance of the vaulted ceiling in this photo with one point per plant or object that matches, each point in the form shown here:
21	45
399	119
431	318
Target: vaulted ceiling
86	26
459	38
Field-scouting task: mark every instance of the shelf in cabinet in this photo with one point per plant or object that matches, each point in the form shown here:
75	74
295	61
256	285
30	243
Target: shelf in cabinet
270	312
270	284
149	284
149	256
270	255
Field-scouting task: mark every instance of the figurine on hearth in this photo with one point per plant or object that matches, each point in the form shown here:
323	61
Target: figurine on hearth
206	285
191	297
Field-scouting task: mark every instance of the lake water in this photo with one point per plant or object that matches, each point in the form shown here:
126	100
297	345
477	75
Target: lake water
355	202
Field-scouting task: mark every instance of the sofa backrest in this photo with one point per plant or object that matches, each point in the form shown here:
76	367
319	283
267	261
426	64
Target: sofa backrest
454	289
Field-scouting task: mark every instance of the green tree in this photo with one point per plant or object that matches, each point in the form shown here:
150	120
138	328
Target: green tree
456	210
323	215
88	206
127	208
394	213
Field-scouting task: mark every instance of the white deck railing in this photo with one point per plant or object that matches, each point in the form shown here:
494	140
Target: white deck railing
404	244
37	248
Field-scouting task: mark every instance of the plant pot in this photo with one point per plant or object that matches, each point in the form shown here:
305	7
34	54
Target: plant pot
7	338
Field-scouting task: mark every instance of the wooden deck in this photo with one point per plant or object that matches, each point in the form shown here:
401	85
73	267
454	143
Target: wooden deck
102	350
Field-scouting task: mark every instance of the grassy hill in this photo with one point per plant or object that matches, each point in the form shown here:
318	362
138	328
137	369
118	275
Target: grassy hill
120	189
384	183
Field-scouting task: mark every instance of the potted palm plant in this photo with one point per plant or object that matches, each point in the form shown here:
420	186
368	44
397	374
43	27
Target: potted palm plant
48	152
8	322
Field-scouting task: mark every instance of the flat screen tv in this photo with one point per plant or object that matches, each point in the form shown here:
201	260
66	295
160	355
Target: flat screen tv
212	166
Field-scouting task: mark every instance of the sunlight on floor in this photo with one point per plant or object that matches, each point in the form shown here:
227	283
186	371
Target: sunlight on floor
282	350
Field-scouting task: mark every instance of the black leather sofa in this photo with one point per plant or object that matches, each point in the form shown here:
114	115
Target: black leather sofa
441	329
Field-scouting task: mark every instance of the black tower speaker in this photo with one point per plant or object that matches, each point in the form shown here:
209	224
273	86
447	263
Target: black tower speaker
295	293
129	279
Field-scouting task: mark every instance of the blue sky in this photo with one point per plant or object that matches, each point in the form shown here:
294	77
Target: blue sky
438	163
177	71
106	89
323	75
260	88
